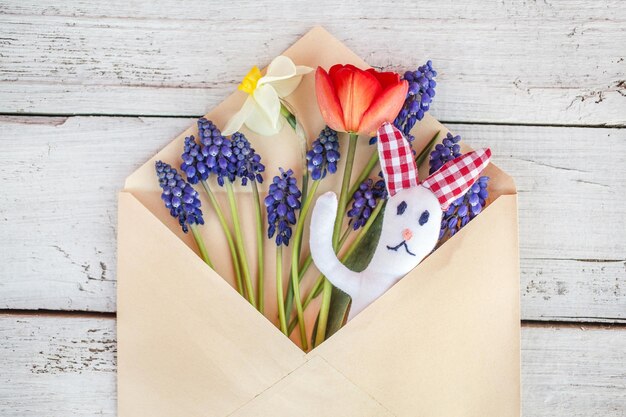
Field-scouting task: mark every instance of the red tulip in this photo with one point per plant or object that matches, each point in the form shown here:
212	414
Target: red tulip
358	101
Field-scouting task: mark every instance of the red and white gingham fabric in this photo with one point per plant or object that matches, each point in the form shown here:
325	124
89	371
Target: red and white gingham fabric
396	160
455	177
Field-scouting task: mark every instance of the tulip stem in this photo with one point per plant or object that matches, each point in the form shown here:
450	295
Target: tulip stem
229	236
239	242
279	290
201	245
371	163
341	210
259	248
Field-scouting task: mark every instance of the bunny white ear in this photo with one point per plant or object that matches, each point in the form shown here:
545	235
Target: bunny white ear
455	177
396	159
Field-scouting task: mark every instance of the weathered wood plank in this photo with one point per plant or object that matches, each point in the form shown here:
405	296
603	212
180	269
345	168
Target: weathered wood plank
58	216
65	366
558	62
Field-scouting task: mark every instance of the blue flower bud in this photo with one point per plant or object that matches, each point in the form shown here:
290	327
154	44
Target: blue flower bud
179	196
282	201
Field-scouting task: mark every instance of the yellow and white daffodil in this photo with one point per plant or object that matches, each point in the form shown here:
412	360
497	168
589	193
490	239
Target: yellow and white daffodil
261	112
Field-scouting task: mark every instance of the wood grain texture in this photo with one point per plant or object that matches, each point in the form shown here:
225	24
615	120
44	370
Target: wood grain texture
58	216
66	366
533	62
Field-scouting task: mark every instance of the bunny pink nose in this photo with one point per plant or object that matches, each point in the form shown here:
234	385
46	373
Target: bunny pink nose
407	234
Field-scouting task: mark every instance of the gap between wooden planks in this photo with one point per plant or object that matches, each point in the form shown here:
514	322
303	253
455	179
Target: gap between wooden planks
64	364
516	62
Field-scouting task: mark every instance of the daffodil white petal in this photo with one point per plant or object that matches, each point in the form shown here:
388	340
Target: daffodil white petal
239	118
260	124
268	102
280	68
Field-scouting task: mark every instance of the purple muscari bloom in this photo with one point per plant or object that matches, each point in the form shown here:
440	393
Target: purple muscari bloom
216	153
179	196
444	152
364	201
324	154
281	203
418	99
248	162
465	208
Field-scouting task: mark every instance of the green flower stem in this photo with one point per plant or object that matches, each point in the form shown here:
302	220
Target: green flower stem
259	248
355	243
239	242
341	210
229	236
201	246
295	260
367	170
287	114
279	290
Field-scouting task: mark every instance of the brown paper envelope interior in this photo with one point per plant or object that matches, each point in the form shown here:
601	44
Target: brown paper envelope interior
313	390
188	343
444	341
207	326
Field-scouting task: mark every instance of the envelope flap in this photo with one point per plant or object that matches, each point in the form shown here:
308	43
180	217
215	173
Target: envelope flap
315	389
189	344
444	341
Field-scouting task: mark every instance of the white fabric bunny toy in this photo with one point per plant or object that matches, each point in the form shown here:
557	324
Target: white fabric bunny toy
411	223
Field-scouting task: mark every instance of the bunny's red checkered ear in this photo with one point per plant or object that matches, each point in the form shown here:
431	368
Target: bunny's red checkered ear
456	176
396	159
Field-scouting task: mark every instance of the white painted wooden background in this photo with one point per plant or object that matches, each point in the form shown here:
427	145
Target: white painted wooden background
89	90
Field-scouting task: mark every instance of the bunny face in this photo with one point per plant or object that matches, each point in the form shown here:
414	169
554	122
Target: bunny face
410	230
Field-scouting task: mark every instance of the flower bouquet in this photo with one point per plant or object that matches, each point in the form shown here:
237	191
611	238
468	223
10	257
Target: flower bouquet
267	256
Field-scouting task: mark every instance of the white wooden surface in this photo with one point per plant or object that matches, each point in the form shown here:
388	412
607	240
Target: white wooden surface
541	82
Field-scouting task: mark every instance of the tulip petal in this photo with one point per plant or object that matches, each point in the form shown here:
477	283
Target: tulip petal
356	90
384	109
328	101
386	79
239	118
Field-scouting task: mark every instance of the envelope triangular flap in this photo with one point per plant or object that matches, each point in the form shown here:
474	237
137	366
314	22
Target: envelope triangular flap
444	341
188	343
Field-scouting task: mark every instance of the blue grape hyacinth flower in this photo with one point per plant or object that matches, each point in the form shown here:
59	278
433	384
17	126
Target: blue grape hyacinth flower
444	152
418	99
217	151
281	203
365	200
465	208
324	154
248	164
179	196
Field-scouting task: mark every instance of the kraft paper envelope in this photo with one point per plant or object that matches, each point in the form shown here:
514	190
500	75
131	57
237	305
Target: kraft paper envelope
443	342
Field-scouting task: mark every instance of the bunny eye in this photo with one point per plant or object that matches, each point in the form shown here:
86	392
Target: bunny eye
401	207
424	217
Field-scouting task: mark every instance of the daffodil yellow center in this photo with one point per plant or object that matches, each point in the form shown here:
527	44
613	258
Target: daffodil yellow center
248	84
